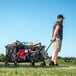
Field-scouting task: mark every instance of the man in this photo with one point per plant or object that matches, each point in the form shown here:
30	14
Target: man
57	39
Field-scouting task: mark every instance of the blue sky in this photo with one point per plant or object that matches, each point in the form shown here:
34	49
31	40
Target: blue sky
32	20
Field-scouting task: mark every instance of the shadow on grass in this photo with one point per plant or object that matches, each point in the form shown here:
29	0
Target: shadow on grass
27	65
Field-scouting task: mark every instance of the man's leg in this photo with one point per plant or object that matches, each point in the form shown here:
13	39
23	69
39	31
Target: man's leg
55	56
57	48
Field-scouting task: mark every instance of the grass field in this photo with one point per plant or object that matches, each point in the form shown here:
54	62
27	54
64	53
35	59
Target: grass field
24	69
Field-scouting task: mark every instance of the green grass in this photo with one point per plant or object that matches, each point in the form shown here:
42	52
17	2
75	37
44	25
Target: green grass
64	69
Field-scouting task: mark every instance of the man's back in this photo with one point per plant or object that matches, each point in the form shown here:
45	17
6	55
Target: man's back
60	32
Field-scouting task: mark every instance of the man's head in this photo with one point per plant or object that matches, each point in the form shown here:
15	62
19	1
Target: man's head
60	17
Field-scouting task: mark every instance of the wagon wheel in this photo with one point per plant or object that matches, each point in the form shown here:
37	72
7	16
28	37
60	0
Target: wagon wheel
7	65
43	64
32	64
16	65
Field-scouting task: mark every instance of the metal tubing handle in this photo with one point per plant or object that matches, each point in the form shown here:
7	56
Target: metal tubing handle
49	46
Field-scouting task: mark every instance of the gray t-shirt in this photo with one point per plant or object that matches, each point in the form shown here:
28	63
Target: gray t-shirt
60	32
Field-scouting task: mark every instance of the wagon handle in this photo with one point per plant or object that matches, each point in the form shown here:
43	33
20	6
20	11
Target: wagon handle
49	45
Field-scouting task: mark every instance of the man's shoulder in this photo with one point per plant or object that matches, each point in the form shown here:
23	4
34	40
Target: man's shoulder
58	23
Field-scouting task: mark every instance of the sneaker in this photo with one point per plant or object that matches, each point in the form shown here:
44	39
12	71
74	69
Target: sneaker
55	64
51	63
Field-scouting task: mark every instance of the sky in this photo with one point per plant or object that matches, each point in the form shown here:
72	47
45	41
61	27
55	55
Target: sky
33	20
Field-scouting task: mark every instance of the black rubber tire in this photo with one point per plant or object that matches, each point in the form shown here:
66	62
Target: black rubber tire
7	65
32	64
16	65
43	64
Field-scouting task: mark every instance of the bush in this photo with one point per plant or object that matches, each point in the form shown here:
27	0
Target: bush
2	58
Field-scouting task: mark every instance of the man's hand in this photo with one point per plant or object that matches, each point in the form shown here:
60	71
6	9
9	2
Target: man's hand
53	39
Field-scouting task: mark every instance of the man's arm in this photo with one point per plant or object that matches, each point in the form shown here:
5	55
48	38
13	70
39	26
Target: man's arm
55	32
